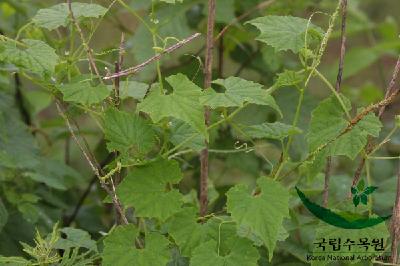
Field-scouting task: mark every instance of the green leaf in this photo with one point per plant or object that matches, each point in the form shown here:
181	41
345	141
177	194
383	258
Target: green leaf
351	143
84	93
327	122
289	78
370	190
354	190
128	132
75	238
145	188
3	215
37	57
182	103
238	91
131	89
262	213
183	132
356	200
284	32
275	130
58	15
120	250
242	253
186	231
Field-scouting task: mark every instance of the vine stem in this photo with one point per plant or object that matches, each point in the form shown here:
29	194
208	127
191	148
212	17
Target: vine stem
87	48
395	222
137	68
390	90
343	40
92	162
207	83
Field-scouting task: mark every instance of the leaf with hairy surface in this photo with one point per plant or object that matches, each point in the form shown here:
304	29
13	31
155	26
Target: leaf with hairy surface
285	32
147	189
128	132
120	250
183	103
262	213
57	15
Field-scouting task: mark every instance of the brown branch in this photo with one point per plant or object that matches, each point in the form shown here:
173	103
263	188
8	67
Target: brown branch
350	126
158	56
338	85
87	48
207	83
395	222
390	91
91	160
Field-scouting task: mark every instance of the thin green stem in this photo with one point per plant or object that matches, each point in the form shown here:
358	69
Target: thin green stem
329	85
369	183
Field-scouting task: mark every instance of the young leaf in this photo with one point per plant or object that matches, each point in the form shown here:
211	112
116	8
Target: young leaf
289	78
238	91
182	103
120	250
37	57
145	188
354	190
275	130
356	200
128	132
262	213
83	93
284	32
370	190
56	16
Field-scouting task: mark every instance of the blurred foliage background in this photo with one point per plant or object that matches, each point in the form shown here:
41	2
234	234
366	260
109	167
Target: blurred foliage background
58	175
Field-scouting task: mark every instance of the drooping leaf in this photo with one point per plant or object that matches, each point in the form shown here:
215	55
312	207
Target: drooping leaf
84	93
145	188
182	103
275	130
57	15
75	238
120	250
262	213
284	32
128	132
238	91
37	56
